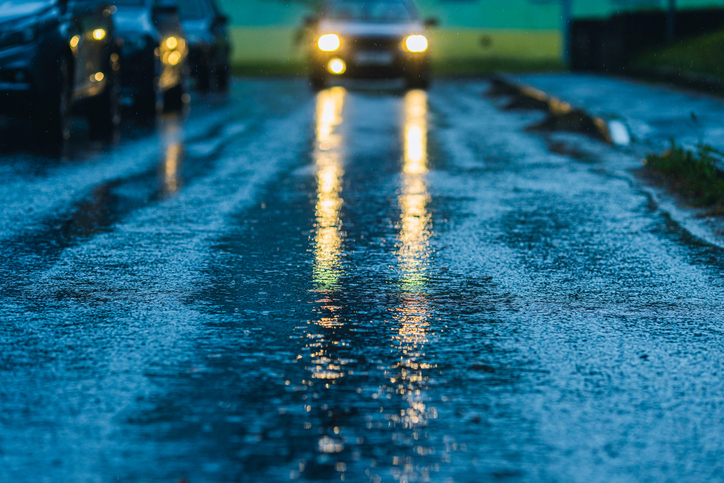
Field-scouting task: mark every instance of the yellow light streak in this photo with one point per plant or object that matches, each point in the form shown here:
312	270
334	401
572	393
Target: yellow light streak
328	160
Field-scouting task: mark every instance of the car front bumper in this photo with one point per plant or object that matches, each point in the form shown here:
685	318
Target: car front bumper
371	64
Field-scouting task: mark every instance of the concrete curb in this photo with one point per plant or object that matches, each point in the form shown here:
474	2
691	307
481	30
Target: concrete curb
562	116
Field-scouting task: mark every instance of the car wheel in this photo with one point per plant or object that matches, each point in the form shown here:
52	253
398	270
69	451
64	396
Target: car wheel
173	99
147	99
104	112
203	76
223	77
54	114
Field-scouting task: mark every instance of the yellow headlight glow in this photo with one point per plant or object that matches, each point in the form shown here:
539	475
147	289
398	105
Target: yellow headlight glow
329	43
99	34
416	43
171	42
336	66
174	58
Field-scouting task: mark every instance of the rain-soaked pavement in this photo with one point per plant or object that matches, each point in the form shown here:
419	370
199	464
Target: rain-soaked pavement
352	286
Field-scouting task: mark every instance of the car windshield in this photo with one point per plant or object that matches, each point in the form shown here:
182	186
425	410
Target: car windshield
130	3
29	5
192	9
371	10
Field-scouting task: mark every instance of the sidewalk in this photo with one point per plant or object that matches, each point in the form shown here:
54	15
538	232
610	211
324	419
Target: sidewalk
654	114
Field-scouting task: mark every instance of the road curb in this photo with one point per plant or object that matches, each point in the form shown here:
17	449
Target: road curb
562	116
703	83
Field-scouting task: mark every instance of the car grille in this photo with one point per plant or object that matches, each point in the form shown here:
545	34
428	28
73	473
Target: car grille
375	43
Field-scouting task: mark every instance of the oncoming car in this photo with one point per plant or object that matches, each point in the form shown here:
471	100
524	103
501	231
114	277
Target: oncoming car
369	39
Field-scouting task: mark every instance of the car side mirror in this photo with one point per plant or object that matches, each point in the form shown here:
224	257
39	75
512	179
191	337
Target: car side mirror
432	22
221	20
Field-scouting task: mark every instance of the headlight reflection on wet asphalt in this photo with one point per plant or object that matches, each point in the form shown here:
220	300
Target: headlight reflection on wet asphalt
402	397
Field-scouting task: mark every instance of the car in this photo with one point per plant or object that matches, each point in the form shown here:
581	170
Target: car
209	44
369	39
154	52
57	57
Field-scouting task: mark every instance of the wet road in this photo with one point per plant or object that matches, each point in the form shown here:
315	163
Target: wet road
352	286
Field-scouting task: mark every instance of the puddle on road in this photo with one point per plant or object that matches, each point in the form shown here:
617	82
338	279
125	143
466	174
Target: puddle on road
324	361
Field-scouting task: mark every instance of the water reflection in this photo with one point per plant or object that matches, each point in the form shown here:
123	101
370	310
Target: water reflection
415	222
328	160
172	136
412	316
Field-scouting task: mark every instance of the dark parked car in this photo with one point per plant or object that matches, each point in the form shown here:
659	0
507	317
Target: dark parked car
56	56
369	39
209	43
154	54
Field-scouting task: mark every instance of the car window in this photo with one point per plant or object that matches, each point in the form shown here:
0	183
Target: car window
192	9
371	10
130	3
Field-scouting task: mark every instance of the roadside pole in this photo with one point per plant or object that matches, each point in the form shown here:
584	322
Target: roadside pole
567	17
671	21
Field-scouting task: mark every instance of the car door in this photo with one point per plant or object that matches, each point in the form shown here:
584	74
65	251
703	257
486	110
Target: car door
91	31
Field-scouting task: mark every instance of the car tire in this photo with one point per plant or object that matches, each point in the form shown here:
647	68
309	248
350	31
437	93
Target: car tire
52	120
203	76
104	112
147	99
317	82
223	77
173	99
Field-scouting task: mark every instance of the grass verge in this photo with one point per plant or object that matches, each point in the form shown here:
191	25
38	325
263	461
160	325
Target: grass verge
694	174
700	55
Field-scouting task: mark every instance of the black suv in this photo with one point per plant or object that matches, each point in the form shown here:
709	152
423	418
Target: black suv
56	55
206	27
154	52
369	39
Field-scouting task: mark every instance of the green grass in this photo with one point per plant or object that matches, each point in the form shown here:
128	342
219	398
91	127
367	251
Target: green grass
700	55
694	174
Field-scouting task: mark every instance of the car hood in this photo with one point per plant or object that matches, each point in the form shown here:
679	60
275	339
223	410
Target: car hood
129	19
197	31
10	11
368	29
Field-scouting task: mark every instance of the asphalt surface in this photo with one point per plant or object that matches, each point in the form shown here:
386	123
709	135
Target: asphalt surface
352	286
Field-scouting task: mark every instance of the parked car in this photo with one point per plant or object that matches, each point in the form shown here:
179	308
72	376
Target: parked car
210	48
154	54
57	56
369	39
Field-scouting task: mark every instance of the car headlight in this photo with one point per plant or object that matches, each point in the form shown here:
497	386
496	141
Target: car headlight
329	42
416	43
22	32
